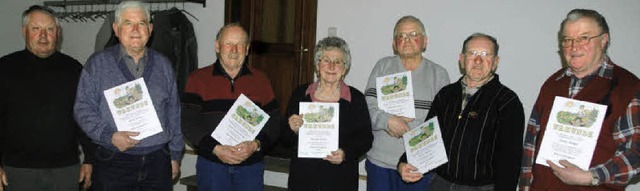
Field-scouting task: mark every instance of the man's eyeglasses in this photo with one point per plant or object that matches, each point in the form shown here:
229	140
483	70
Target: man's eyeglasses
580	41
411	36
474	54
233	45
336	62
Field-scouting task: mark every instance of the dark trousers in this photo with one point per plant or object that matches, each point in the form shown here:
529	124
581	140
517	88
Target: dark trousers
42	179
124	172
439	183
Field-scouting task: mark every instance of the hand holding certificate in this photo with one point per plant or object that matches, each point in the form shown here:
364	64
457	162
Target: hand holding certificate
395	94
318	136
571	132
132	109
424	146
242	122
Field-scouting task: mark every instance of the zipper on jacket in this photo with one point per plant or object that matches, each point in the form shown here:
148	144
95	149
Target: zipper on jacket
232	86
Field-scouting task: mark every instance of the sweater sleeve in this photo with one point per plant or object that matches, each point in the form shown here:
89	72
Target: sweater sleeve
271	131
379	117
509	147
87	105
176	142
196	126
88	147
357	145
3	110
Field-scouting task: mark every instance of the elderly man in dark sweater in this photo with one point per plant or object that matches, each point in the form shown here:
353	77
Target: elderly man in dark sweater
38	136
482	123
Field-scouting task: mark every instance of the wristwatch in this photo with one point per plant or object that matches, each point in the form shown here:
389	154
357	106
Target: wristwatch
258	143
594	179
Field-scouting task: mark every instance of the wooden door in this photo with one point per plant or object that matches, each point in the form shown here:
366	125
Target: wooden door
282	36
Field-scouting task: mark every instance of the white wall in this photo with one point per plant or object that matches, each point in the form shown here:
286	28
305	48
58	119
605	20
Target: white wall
10	18
526	31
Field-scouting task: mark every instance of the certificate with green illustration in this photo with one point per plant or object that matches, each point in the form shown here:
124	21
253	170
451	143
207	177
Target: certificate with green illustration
242	122
395	94
424	146
132	109
572	132
318	135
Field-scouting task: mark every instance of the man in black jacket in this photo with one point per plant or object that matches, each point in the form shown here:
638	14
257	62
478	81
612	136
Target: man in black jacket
482	123
38	136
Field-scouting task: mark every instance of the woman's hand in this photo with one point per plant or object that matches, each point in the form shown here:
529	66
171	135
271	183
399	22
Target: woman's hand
295	122
336	157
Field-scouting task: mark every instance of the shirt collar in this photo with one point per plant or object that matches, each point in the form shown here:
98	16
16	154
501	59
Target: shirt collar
122	53
345	93
218	70
605	70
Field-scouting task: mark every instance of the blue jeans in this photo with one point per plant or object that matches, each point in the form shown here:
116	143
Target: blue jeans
385	179
214	176
120	171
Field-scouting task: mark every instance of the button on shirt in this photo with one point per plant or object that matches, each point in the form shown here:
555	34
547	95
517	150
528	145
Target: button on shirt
135	69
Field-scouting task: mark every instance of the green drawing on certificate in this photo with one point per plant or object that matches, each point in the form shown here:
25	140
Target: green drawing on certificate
582	118
322	116
427	131
132	95
251	117
399	84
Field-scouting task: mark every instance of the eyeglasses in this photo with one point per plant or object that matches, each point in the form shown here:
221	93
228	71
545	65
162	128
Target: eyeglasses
327	62
233	45
404	36
580	41
474	54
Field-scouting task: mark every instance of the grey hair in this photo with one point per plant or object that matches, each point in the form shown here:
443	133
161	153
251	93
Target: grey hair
41	9
225	27
333	43
125	5
410	18
576	14
496	47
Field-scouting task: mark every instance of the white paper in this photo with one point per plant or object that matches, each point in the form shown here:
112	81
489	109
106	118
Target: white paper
318	135
395	94
571	132
132	109
424	146
242	122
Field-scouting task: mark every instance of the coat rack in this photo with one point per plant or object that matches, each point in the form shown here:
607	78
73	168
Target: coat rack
90	10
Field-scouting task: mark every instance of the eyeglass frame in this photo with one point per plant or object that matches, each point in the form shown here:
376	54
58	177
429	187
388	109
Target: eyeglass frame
473	54
411	36
584	39
336	62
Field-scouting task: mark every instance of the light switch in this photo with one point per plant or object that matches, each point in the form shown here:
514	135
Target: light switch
333	31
